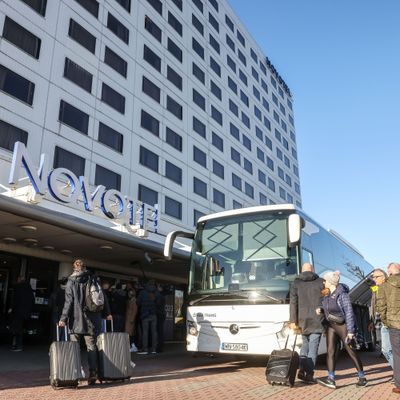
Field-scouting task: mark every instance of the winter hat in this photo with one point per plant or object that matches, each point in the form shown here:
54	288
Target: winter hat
332	277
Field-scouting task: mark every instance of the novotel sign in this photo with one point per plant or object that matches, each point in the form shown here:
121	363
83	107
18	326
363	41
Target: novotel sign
63	186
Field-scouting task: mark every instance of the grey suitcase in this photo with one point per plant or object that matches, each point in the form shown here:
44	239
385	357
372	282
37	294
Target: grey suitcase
114	355
65	362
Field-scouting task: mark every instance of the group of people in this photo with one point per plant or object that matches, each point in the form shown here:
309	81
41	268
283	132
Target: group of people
322	304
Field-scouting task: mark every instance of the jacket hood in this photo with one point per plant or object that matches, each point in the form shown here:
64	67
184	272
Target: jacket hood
342	288
394	280
308	276
80	277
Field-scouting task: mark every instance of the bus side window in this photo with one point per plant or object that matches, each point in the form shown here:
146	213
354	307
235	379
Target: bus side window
306	256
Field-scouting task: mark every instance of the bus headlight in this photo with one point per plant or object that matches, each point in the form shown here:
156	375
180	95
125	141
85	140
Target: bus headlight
191	328
285	331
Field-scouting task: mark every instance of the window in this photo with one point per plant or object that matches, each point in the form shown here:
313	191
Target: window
280	92
198	73
156	4
242	77
66	159
232	85
253	55
215	66
173	139
271	184
150	123
197	24
245	120
216	115
248	166
268	142
90	5
285	143
240	38
39	6
215	90
178	3
174	107
78	75
288	180
262	177
259	133
296	170
287	161
15	85
291	120
257	113
174	77
73	117
218	169
282	109
289	103
175	50
244	98
125	4
233	107
148	159
263	68
270	163
246	142
213	22
173	208
237	205
231	64
214	43
279	153
151	27
198	4
173	172
283	125
199	156
199	127
265	104
230	43
293	136
214	4
294	153
242	58
267	123
281	174
147	195
236	182
264	86
282	193
9	134
113	98
21	37
199	99
276	117
278	135
218	198
116	62
199	187
151	89
289	198
260	155
256	93
263	199
198	48
174	23
254	73
297	188
234	131
117	28
152	58
249	190
217	142
235	155
196	215
229	23
110	137
82	36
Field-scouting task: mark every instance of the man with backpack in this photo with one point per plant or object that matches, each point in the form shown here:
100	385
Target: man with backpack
84	307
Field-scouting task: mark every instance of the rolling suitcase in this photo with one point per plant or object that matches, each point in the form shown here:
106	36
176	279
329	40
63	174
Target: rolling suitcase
114	355
282	366
65	362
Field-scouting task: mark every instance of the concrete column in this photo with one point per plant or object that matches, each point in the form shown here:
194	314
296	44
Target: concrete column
64	270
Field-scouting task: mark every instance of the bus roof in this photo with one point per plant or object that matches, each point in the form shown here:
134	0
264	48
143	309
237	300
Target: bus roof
248	210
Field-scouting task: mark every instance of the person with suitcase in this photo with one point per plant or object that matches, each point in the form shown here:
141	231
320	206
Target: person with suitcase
340	321
84	307
305	297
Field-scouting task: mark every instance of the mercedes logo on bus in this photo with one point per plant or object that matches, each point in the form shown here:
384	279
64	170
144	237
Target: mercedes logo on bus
234	329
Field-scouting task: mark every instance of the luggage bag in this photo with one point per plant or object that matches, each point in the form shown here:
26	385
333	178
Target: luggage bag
65	362
282	366
114	357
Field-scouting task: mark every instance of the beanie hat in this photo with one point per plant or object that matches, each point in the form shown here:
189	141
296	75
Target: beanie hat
332	277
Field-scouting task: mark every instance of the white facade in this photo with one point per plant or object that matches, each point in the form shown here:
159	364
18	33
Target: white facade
46	132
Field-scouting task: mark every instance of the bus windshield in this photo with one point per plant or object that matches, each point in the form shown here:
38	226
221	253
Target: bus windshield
243	253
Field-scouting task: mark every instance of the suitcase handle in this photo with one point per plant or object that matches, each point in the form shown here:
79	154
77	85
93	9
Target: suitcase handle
58	332
105	325
294	344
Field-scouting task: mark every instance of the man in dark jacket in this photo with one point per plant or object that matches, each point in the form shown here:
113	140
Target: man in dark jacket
21	307
305	298
81	321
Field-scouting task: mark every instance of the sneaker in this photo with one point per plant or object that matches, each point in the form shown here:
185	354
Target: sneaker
309	378
133	348
327	382
154	352
142	352
14	348
92	379
362	382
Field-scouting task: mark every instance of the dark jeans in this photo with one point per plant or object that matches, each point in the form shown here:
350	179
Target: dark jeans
309	352
149	323
394	335
160	332
90	342
16	328
336	332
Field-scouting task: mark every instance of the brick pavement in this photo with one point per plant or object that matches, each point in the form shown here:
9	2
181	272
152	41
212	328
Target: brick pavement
177	375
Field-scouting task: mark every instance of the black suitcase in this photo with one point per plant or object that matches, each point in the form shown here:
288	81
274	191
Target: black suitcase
65	362
114	355
282	366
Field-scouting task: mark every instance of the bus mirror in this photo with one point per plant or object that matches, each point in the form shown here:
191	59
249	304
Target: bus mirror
170	239
295	224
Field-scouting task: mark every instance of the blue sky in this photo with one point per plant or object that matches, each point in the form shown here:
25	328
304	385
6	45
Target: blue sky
341	60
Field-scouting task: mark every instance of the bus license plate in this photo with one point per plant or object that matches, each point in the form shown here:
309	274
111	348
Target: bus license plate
235	346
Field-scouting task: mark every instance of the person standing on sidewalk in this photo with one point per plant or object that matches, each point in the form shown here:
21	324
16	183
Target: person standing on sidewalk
379	276
340	320
83	322
388	306
305	298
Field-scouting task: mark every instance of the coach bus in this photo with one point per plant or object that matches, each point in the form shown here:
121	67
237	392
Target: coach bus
242	264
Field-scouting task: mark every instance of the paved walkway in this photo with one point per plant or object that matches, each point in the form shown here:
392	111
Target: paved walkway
178	375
